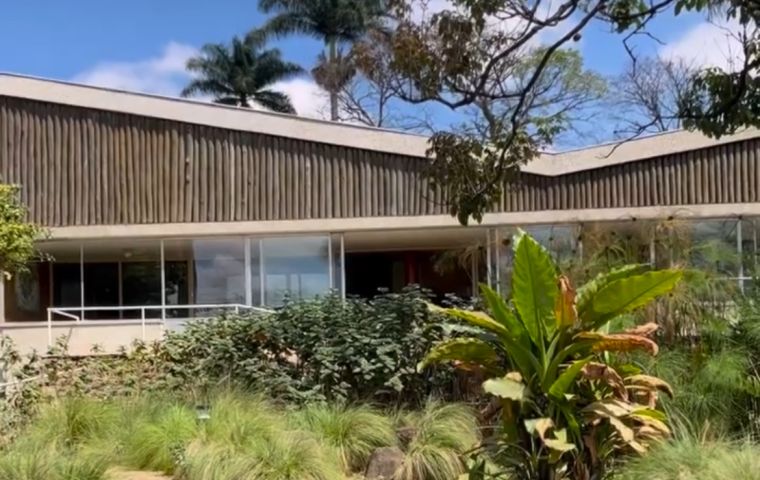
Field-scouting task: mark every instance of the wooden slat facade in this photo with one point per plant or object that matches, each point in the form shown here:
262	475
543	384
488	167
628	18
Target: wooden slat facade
81	166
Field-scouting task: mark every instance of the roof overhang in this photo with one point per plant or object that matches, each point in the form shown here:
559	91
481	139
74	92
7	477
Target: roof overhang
341	134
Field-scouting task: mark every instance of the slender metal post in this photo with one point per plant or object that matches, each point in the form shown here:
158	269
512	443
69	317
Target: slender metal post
342	267
50	326
331	281
489	267
81	280
248	280
262	283
739	251
142	319
163	283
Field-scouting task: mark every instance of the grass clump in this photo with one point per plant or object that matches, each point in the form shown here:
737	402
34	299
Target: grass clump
34	464
236	419
690	459
436	439
355	432
72	421
159	443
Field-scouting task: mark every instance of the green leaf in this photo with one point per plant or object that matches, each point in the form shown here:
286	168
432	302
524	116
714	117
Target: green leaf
534	288
502	313
478	319
467	350
586	293
627	294
563	383
505	388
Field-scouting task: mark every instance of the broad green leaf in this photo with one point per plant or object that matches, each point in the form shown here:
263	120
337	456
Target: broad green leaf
627	294
466	350
585	293
534	288
502	313
563	383
505	388
478	319
646	412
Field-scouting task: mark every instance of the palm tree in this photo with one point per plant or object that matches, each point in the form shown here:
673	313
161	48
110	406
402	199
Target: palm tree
241	74
331	21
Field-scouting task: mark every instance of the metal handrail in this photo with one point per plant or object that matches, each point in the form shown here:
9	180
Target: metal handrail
65	312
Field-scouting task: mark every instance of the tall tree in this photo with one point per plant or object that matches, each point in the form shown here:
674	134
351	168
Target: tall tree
334	22
645	98
17	235
462	55
242	74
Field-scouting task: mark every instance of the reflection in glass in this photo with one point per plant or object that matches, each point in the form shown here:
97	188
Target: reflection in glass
219	271
294	267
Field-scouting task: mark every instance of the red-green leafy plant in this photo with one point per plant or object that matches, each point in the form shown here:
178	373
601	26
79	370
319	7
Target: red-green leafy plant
568	405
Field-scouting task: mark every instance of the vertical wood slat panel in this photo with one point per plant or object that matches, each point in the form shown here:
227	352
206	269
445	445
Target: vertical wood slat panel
84	167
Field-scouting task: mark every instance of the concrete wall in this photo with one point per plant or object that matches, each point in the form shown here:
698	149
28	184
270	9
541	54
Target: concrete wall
108	334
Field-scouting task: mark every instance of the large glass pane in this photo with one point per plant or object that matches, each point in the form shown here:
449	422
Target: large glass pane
338	275
749	247
295	267
204	272
607	245
122	273
64	284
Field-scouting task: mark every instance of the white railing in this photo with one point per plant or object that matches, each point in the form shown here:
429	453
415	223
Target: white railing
69	313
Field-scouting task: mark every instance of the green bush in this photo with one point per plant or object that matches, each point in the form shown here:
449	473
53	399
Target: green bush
322	349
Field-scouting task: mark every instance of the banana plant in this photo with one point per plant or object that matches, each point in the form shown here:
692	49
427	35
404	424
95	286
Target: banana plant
548	357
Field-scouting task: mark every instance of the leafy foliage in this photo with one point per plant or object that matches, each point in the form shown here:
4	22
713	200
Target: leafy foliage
323	349
241	74
565	403
17	236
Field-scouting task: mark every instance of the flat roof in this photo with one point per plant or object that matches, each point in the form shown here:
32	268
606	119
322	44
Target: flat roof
342	134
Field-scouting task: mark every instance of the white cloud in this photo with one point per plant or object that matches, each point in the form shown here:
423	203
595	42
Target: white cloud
708	44
308	99
166	75
162	75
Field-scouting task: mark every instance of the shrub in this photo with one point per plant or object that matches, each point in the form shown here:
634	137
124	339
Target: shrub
316	350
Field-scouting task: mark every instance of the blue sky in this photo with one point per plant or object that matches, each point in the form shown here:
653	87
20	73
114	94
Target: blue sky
143	44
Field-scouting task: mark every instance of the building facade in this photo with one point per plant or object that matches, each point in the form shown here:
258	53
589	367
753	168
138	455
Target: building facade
160	209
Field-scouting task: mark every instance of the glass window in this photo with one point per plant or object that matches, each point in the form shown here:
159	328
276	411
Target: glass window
211	271
713	247
749	247
66	285
294	267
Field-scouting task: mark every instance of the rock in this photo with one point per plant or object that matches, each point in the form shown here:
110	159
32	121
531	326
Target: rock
383	463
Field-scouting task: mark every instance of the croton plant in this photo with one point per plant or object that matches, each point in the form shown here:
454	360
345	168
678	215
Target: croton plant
568	401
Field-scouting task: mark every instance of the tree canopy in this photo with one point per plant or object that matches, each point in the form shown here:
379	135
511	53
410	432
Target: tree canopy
17	236
497	58
241	74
